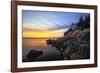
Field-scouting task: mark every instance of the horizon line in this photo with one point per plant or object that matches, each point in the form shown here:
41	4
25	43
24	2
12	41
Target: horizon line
39	38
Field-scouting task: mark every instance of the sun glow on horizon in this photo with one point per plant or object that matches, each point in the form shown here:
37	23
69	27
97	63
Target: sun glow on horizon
41	34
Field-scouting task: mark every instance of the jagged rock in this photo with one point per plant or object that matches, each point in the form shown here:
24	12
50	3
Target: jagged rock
34	54
77	42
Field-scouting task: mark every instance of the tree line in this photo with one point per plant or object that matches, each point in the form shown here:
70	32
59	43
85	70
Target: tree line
83	23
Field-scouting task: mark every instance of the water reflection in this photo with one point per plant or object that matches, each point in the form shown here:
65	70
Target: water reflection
34	43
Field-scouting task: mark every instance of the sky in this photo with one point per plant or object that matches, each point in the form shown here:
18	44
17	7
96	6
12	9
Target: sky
47	24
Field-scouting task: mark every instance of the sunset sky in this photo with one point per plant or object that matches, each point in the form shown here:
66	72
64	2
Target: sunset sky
43	24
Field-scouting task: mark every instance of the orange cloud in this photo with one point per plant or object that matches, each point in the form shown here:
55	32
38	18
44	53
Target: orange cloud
41	34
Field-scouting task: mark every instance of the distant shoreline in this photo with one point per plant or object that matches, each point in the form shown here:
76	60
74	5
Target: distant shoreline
42	38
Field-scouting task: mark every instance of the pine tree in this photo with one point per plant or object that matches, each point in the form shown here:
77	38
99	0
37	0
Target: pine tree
87	22
81	23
